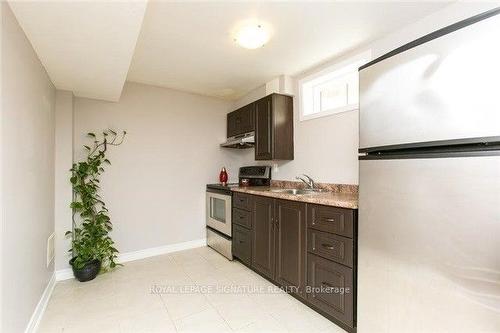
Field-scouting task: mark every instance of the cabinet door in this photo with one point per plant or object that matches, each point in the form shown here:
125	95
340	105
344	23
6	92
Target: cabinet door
290	230
283	148
246	118
331	288
241	121
263	236
263	128
232	120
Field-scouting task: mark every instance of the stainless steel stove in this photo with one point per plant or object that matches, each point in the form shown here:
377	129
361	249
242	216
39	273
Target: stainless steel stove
219	201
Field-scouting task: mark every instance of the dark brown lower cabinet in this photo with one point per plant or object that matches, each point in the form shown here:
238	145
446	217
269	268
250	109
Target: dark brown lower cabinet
242	218
331	288
263	236
291	238
311	248
329	246
242	244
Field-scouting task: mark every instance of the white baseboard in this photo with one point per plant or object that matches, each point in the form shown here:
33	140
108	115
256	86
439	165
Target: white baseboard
156	251
40	307
65	274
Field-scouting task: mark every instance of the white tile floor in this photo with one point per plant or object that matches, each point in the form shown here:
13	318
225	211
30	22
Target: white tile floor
122	301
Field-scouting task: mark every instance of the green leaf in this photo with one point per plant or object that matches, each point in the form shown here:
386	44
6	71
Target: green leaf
76	205
92	226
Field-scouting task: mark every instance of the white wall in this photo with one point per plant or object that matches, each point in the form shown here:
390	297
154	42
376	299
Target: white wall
63	162
27	162
326	148
155	187
250	97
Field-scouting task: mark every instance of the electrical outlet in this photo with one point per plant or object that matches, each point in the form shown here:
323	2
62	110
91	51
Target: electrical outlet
50	248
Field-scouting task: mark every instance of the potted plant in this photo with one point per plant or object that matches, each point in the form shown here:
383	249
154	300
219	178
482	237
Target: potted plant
92	249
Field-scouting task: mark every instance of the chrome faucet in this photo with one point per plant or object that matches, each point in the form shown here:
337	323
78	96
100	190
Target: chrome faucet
309	182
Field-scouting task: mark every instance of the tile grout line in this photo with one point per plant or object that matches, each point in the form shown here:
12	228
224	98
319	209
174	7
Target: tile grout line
208	300
198	268
210	303
168	313
192	282
216	310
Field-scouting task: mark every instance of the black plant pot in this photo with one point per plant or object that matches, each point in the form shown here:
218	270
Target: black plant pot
88	272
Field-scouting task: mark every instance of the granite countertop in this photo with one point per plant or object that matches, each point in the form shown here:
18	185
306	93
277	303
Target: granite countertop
337	199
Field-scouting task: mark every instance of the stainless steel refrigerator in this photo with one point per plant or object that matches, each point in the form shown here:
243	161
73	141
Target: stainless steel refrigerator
429	187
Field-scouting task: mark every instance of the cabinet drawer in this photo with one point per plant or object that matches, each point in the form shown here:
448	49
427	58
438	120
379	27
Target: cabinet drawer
329	246
242	244
242	201
242	217
331	219
330	288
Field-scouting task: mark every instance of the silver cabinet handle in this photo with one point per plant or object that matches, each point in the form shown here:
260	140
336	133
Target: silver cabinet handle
328	246
330	220
327	284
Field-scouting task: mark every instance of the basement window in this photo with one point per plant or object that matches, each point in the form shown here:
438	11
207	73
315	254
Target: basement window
332	90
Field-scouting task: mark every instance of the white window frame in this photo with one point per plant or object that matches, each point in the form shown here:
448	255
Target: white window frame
336	70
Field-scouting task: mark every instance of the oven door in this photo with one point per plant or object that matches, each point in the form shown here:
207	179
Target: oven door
219	212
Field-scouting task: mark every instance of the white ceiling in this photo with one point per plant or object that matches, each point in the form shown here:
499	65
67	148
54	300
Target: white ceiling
189	46
87	46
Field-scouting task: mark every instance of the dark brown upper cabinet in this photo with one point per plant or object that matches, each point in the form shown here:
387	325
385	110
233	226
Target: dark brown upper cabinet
271	118
241	121
274	128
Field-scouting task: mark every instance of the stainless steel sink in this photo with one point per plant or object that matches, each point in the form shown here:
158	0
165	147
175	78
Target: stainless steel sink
295	191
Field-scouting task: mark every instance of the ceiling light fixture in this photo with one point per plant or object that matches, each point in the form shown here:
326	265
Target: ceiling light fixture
252	36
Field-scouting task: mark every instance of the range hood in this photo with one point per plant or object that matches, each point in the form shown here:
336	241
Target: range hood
241	141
